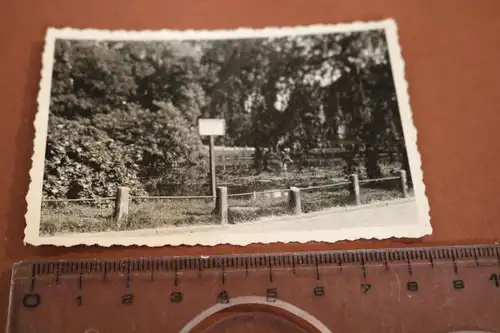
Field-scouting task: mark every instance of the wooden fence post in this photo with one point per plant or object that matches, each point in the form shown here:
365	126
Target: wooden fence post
221	205
403	183
121	203
356	198
294	204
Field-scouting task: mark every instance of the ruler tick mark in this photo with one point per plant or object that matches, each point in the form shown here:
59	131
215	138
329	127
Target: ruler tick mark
476	259
363	268
128	275
105	275
80	281
455	268
33	274
270	272
246	268
57	274
498	255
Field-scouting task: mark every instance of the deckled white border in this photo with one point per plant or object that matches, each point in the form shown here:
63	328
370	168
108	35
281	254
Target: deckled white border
225	236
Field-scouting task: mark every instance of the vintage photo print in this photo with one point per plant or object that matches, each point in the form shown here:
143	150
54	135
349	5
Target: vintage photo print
241	136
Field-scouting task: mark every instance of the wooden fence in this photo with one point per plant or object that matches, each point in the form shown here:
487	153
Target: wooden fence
294	207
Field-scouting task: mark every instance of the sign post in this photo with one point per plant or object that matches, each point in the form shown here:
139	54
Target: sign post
211	128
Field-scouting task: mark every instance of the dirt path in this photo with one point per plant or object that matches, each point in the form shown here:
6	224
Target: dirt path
388	213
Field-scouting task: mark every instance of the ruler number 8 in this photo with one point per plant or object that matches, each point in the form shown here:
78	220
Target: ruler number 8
458	284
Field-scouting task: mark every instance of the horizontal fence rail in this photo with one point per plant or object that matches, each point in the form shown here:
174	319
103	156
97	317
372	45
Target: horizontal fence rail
166	197
220	199
316	187
79	199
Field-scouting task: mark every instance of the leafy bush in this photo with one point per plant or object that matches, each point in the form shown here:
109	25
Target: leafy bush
82	161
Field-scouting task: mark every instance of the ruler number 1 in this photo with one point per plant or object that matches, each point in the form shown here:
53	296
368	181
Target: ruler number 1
496	279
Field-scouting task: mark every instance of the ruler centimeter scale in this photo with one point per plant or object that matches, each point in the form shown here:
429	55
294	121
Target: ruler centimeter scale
436	289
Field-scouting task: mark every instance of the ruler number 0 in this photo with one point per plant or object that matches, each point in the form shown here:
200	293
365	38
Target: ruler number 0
412	286
31	300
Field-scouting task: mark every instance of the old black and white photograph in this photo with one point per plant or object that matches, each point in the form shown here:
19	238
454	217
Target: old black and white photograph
237	136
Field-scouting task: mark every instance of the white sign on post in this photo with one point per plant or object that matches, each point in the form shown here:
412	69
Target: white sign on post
211	127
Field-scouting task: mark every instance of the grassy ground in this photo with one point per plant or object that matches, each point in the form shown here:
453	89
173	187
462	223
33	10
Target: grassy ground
245	210
151	213
157	213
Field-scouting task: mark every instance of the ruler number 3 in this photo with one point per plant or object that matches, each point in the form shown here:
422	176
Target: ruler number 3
271	294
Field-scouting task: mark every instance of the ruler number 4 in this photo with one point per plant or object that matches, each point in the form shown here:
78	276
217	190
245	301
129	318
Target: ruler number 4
223	297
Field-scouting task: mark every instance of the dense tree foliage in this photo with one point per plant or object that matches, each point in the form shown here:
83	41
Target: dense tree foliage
123	111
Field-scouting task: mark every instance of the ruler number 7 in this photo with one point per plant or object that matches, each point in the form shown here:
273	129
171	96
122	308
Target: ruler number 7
366	287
